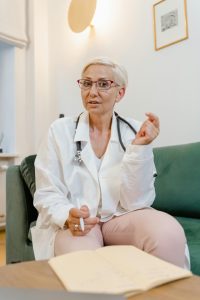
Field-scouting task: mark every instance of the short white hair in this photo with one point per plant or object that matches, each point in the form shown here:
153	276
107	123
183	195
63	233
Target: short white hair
120	72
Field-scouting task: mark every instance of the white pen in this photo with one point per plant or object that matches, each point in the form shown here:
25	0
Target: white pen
81	219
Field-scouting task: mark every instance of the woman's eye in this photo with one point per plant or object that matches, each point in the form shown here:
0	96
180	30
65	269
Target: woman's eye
87	83
103	83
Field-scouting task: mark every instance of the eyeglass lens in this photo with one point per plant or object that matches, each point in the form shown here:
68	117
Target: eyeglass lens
100	84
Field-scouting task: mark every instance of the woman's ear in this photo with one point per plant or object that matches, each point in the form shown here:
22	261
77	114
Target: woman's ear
120	94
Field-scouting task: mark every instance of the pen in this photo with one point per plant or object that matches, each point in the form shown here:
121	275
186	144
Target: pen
81	219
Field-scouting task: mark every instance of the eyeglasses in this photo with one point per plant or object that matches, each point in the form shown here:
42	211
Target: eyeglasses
101	84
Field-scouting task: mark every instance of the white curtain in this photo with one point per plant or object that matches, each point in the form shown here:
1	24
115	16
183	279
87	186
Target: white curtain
13	22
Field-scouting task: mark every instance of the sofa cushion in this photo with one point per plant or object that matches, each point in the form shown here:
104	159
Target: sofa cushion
192	231
178	182
27	170
29	232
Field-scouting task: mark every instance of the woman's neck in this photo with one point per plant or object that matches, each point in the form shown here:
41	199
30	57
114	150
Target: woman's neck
100	131
100	123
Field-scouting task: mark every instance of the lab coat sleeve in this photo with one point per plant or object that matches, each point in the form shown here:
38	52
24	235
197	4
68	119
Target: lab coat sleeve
137	177
51	196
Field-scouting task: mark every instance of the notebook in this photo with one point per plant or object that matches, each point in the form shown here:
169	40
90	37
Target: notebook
115	270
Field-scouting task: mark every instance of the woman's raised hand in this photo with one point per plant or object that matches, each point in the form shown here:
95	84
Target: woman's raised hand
148	131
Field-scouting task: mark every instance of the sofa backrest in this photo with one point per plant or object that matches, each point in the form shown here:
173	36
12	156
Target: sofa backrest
178	179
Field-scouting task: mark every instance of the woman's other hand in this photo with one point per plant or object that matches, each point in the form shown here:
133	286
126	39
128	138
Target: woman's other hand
148	131
74	219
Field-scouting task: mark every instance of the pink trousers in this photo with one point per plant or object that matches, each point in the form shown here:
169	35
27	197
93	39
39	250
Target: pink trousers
150	230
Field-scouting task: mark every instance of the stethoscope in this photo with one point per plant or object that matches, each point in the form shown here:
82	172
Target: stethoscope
78	158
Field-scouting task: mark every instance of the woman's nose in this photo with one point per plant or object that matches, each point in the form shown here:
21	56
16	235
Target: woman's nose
93	88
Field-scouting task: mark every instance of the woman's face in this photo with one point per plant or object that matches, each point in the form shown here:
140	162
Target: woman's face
100	101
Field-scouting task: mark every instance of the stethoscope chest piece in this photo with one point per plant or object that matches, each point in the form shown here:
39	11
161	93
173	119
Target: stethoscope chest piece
77	157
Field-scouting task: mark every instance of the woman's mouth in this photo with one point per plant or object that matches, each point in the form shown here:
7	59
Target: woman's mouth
93	102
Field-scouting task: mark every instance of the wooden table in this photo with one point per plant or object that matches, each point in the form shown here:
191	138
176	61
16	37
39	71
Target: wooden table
38	274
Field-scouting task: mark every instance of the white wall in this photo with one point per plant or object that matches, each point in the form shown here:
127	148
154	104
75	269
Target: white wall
38	85
7	98
165	82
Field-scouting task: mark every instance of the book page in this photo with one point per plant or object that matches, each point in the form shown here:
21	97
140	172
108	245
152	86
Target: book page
87	271
115	270
143	269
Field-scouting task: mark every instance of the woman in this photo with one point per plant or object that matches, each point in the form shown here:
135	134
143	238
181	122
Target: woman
95	177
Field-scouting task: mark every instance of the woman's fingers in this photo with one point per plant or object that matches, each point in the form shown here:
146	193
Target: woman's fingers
153	119
148	131
77	231
79	213
87	221
73	221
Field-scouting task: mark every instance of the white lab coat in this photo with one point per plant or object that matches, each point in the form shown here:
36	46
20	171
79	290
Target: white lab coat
124	182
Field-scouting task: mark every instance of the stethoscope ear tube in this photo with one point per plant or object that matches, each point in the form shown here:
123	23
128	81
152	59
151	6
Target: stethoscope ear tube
119	131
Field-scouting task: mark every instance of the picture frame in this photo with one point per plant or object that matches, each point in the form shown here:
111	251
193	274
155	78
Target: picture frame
170	23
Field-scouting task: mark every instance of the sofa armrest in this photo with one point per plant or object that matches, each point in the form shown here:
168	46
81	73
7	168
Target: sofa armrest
17	246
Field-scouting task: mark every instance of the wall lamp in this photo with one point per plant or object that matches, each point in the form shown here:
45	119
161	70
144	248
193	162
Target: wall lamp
80	14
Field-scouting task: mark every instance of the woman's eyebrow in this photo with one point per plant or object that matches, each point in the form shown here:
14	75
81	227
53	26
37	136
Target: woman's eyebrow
86	77
101	78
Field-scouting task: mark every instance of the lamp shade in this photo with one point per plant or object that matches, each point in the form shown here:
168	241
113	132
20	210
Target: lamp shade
80	14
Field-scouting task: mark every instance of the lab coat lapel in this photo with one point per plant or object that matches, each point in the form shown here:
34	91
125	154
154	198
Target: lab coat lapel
88	159
114	152
87	155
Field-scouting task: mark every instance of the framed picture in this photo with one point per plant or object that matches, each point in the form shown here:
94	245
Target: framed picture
170	23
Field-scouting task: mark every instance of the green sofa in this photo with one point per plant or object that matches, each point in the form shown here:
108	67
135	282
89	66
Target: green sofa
177	193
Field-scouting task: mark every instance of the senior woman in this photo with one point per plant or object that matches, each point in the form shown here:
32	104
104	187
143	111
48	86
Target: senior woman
98	170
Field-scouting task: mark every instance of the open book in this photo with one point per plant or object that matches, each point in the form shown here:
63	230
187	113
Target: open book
114	269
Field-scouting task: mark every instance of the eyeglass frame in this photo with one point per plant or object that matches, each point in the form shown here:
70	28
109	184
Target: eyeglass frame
101	89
